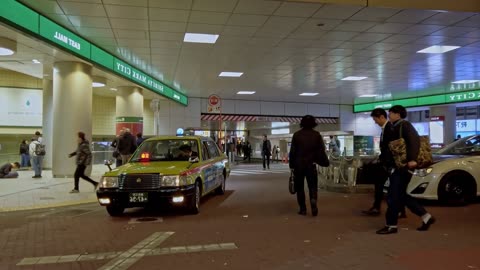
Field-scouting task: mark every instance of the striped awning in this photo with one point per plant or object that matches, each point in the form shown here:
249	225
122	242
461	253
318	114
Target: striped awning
257	118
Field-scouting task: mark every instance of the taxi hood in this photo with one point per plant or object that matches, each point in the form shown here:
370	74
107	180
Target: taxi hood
162	167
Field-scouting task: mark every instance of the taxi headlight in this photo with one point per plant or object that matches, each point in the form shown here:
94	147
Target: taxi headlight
109	182
174	180
423	172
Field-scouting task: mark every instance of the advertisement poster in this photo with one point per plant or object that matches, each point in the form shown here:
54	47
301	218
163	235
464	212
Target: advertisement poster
422	128
436	132
21	107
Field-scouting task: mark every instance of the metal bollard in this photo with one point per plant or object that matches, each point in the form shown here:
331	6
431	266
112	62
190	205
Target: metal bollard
352	176
336	175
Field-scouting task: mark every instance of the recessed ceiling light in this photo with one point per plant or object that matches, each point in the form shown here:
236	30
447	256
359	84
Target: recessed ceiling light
98	81
466	81
200	38
438	49
369	95
308	94
245	92
7	46
113	89
230	74
353	78
35	61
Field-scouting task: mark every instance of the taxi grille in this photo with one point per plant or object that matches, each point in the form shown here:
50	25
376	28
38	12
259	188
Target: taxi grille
140	181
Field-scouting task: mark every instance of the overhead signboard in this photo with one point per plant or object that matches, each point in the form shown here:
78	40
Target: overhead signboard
22	17
457	97
64	38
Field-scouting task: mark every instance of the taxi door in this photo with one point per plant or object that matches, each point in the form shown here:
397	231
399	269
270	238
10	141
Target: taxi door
215	170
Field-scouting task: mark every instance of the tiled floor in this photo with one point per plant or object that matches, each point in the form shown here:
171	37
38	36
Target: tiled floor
25	192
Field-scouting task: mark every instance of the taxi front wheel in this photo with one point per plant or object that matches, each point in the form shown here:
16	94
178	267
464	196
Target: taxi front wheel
194	203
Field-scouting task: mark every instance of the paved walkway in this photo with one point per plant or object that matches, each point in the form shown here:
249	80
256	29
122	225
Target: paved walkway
26	192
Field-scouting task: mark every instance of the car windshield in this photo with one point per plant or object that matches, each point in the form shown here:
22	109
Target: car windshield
466	146
166	150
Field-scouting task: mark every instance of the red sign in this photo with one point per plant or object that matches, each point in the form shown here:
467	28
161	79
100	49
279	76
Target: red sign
213	100
437	118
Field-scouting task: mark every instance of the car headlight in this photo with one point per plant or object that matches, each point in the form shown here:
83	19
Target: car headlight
109	182
423	172
174	180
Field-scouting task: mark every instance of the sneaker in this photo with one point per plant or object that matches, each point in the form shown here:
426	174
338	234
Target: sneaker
426	226
74	191
371	212
302	212
387	230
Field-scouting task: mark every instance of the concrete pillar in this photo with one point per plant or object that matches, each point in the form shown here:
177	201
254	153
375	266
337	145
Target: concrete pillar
129	109
449	112
72	112
47	121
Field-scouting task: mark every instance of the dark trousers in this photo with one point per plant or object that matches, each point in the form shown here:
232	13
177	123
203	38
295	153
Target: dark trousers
397	197
312	182
267	158
118	162
80	173
380	175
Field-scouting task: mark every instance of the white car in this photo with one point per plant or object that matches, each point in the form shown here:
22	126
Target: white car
455	175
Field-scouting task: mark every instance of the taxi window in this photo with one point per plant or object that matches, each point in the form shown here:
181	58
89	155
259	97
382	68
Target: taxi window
167	150
205	154
212	149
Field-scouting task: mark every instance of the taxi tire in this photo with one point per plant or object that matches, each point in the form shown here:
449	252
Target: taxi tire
194	203
221	189
115	210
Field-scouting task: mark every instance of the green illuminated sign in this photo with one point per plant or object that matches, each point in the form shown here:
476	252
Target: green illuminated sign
421	101
22	17
101	57
64	38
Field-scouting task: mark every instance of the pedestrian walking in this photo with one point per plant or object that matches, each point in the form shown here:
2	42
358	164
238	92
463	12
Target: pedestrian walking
400	177
83	159
380	170
307	149
266	152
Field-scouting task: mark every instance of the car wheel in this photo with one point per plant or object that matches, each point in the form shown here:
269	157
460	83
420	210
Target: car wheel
194	207
221	189
457	188
115	210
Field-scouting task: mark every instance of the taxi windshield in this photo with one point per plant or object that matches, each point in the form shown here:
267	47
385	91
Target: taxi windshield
166	150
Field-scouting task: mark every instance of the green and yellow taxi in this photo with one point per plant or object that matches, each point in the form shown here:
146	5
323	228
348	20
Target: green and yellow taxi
176	170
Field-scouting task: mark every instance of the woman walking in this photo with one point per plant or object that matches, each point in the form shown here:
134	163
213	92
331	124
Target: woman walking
84	158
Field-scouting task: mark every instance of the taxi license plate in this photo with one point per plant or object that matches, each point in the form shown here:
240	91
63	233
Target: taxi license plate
138	197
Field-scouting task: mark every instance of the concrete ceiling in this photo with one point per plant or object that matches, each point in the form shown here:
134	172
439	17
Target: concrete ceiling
283	48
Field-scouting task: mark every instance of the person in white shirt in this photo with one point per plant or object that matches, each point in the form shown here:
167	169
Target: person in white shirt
36	159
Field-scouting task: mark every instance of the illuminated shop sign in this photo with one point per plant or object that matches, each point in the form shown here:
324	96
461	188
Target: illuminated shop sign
421	101
21	16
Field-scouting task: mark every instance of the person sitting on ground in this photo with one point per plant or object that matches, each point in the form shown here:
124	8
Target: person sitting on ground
9	170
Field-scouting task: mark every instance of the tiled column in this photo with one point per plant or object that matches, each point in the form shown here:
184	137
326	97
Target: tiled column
72	112
129	109
449	112
47	121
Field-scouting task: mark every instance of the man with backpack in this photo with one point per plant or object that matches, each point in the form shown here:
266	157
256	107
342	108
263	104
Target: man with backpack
37	152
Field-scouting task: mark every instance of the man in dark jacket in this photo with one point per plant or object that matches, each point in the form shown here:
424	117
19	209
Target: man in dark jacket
307	148
83	159
380	170
400	177
126	145
266	152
